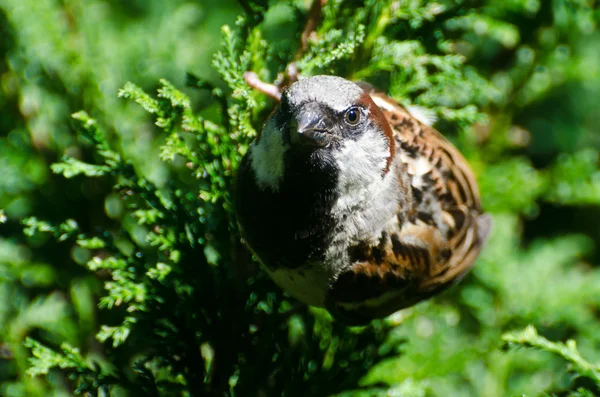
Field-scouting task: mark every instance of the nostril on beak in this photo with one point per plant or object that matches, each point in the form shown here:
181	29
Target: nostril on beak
310	126
311	137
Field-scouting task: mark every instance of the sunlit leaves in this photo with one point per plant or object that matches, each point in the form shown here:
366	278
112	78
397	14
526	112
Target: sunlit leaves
530	338
576	178
334	46
71	167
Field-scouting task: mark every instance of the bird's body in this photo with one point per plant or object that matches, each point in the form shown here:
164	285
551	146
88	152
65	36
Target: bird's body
353	204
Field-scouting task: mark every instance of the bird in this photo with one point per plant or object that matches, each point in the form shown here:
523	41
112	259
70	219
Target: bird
353	204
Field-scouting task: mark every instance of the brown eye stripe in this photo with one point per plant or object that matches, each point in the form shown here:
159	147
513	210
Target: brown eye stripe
379	119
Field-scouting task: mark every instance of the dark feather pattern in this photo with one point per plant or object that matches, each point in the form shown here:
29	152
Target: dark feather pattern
426	253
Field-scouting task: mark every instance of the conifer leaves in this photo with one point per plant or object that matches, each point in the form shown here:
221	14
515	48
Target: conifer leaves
146	203
366	44
579	366
573	179
335	45
124	289
87	377
168	266
62	232
233	61
175	220
71	166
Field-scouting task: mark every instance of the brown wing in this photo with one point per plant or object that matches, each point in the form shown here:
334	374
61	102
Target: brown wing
438	234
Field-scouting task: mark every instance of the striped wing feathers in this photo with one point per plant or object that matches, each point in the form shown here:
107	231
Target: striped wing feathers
439	231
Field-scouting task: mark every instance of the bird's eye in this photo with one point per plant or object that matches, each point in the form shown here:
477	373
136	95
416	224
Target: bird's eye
352	116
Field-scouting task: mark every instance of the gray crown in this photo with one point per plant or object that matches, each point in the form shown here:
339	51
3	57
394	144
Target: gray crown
335	92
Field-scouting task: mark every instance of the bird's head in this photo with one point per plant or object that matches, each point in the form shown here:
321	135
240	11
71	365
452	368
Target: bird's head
328	121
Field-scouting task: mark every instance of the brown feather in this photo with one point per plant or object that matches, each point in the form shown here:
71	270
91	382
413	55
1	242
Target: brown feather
438	234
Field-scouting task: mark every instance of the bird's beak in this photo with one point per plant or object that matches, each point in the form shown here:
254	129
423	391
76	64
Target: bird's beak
311	127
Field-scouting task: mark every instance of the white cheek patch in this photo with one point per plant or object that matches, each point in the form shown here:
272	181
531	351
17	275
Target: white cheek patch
361	164
267	155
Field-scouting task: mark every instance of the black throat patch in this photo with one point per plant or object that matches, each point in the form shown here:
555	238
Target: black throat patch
291	226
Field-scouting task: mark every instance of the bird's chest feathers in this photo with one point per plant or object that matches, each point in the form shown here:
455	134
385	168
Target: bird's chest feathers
367	199
302	218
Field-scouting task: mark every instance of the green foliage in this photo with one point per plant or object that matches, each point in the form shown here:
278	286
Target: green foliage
568	351
130	278
154	282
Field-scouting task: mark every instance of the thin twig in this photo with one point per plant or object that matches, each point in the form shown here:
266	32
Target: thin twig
291	71
314	19
255	82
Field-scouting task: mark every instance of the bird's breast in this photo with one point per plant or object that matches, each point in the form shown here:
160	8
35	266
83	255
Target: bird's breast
291	226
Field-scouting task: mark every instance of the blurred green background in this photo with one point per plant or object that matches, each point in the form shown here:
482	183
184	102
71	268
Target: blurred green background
530	68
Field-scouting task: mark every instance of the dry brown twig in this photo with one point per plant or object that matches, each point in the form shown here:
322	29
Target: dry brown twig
291	72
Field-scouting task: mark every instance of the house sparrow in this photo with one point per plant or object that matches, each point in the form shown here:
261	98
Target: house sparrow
353	204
